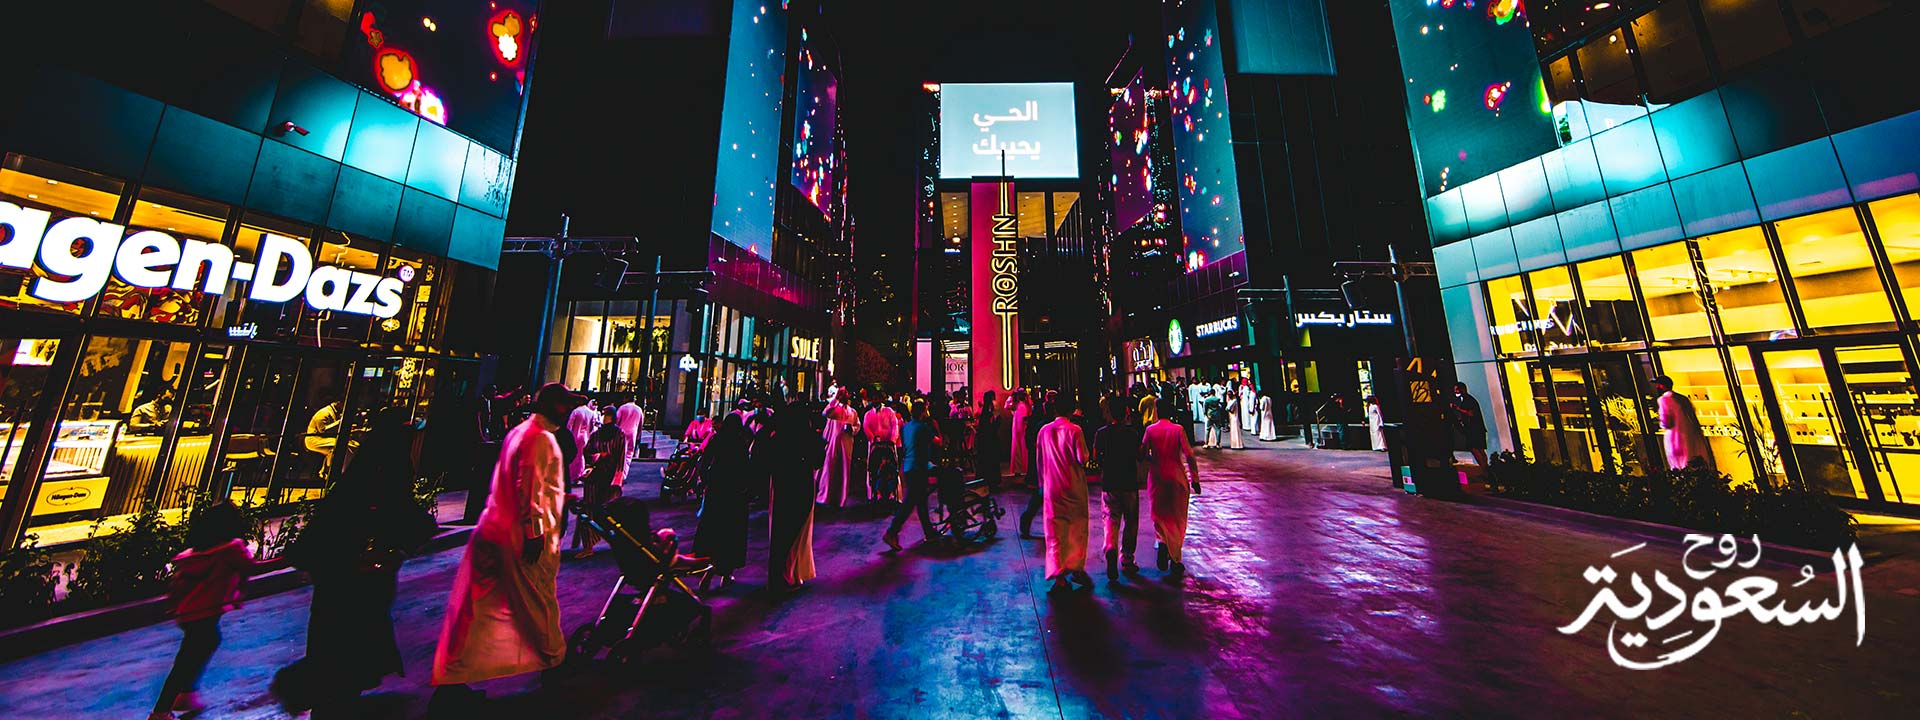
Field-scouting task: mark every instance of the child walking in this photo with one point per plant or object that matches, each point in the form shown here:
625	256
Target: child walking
206	584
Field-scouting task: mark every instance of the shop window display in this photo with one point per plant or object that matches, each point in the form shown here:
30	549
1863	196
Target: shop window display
24	364
114	424
423	315
193	439
1559	325
256	423
61	191
1612	314
327	328
1898	222
1699	375
1833	272
1880	388
1745	284
1513	326
1811	414
1672	293
1764	448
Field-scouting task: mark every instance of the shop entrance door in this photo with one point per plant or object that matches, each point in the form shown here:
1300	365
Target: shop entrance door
1596	419
1849	417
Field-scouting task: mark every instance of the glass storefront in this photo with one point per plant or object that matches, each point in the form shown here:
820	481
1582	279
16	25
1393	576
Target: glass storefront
1795	340
153	390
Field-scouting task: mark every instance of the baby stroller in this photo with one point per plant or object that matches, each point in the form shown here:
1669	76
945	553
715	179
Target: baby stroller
968	511
680	476
651	604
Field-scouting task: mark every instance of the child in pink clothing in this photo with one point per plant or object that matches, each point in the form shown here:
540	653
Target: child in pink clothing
206	584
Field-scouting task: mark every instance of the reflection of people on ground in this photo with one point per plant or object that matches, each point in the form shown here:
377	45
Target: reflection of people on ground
1686	441
150	417
1169	484
1469	426
724	468
837	485
1062	464
503	616
1117	448
323	433
796	451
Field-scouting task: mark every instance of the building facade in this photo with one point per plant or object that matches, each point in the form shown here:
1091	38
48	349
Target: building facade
750	234
221	257
1725	195
1252	148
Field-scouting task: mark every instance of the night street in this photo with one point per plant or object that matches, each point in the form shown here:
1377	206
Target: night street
1316	591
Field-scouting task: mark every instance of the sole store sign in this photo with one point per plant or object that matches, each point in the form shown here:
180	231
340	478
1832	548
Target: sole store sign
80	254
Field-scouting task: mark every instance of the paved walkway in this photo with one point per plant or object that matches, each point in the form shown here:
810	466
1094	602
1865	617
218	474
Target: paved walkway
1316	590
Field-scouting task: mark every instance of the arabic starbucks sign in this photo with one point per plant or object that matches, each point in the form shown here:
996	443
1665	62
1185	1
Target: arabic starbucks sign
78	255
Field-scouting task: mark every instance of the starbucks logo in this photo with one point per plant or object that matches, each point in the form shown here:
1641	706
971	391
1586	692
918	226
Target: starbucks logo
1176	338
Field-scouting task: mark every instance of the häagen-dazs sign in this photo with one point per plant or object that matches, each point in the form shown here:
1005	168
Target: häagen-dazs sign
82	253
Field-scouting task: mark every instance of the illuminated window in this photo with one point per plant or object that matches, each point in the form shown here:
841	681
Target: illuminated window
1898	222
1745	283
1560	326
1612	315
1833	271
1765	447
1672	293
117	417
1608	69
422	310
62	191
184	218
344	329
1699	375
263	320
1530	403
1513	326
24	364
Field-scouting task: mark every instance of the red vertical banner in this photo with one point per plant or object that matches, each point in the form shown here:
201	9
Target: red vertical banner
993	222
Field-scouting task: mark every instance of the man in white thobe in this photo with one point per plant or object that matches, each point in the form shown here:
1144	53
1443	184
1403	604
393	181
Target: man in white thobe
503	616
581	423
629	417
1062	454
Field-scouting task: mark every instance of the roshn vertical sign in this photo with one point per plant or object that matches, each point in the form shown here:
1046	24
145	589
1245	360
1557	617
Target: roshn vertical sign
994	308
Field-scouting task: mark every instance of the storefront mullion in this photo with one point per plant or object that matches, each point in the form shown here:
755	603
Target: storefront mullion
1883	261
1794	308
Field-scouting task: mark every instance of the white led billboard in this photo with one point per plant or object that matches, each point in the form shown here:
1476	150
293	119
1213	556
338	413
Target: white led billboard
1028	124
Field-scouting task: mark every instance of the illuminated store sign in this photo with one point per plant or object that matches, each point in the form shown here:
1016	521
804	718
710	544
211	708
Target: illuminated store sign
688	364
1141	355
1176	338
807	349
80	254
1346	319
1225	324
1006	283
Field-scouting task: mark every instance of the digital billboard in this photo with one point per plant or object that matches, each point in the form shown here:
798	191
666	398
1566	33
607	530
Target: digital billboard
459	64
1131	123
815	155
747	168
1209	190
1475	100
1030	125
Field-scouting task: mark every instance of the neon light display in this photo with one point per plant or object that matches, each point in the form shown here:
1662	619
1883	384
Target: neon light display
1482	59
1209	188
457	63
815	143
995	351
748	159
1131	125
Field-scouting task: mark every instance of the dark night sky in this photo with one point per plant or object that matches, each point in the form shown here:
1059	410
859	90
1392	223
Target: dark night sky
890	47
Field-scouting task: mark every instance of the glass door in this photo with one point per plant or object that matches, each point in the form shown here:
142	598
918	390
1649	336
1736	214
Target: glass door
1617	382
1812	424
1879	386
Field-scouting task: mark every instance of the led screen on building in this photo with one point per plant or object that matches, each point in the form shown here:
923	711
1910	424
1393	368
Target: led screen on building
745	173
1029	124
1475	101
1130	123
460	64
814	146
1209	191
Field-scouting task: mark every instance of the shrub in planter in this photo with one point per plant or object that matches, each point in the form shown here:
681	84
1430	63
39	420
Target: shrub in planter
129	563
27	578
1693	498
